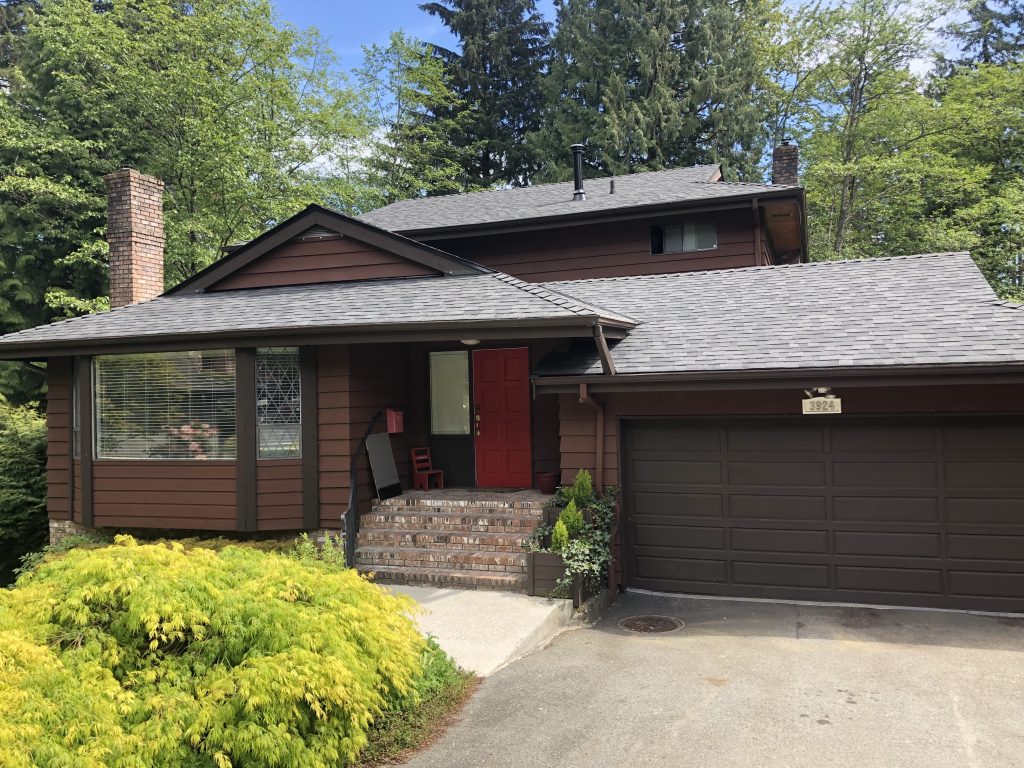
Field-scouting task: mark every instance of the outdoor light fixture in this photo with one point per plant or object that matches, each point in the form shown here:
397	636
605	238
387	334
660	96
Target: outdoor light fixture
471	342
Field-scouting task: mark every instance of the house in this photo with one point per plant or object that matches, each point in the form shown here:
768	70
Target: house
781	429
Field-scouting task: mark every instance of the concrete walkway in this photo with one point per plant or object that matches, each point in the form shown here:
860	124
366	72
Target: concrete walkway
485	631
755	684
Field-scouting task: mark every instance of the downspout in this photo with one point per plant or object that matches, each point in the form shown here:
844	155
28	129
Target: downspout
586	399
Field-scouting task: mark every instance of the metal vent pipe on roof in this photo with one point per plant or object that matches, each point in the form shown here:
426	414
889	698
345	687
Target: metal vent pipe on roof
577	172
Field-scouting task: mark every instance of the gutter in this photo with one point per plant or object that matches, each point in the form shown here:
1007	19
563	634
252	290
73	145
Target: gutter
586	399
625	213
979	373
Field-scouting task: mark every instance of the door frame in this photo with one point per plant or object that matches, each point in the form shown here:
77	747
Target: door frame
469	350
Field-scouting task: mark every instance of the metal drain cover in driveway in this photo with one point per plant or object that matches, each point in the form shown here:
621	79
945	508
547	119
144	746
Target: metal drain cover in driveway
650	624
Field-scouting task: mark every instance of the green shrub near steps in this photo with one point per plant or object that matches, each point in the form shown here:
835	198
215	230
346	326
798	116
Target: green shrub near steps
132	656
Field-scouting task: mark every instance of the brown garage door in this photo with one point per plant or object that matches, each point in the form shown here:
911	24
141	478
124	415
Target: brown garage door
908	513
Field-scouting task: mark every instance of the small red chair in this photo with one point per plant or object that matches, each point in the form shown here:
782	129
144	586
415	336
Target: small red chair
423	470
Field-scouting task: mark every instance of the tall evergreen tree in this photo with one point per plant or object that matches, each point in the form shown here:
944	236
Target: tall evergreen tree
413	114
992	33
652	84
496	74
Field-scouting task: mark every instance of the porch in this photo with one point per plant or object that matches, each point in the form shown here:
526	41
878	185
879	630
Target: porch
466	538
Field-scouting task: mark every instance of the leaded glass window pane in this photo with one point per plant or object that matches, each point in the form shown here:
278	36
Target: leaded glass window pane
278	403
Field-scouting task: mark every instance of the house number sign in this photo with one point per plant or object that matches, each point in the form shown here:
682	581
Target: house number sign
815	405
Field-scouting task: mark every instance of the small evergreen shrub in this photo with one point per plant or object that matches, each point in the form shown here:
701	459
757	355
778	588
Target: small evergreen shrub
139	656
572	519
559	536
582	491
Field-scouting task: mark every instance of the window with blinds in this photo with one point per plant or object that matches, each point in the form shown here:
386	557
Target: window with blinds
278	403
165	405
691	235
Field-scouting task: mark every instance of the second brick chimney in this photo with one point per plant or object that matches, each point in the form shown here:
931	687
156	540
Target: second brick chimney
786	164
135	233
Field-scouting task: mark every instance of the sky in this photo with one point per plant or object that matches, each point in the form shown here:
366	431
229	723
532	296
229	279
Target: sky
348	24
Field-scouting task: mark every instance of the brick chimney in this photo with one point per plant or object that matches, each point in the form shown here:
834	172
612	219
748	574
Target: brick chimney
135	232
785	164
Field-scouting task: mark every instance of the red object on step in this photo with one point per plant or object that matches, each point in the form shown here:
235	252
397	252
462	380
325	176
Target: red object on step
395	419
423	472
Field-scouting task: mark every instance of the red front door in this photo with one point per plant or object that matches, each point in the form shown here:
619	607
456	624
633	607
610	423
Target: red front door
501	410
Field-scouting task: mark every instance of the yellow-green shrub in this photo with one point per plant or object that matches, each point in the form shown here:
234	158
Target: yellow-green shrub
132	656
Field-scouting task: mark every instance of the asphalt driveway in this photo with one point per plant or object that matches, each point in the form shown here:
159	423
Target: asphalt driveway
757	685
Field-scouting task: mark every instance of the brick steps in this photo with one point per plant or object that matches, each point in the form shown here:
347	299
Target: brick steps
458	579
452	559
482	522
463	539
480	541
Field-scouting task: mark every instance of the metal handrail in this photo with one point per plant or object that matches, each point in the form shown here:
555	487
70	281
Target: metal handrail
351	515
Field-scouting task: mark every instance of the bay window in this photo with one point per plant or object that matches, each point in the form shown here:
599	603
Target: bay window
165	405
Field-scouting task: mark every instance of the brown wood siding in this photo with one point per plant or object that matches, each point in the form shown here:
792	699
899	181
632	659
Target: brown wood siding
576	421
279	494
177	495
328	260
58	440
76	496
545	418
614	249
333	443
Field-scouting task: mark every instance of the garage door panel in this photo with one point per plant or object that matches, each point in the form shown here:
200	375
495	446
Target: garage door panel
781	507
913	512
671	504
886	509
986	584
991	511
907	580
884	474
895	440
657	441
990	440
780	574
887	544
976	474
776	540
776	473
688	536
967	547
678	473
681	569
759	439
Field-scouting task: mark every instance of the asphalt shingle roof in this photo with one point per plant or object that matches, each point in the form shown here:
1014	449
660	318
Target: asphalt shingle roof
372	305
929	309
546	200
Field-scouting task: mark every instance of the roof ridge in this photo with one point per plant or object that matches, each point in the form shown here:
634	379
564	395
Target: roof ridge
426	198
766	267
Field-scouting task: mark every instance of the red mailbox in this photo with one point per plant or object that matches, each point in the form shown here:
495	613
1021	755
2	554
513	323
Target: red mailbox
395	421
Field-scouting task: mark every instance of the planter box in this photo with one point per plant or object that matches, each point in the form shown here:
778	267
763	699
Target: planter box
543	572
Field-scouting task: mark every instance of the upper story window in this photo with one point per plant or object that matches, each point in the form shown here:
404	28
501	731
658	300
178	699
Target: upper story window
690	235
278	403
165	405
